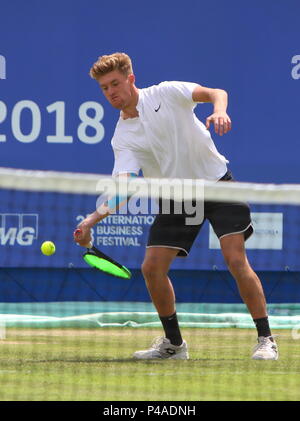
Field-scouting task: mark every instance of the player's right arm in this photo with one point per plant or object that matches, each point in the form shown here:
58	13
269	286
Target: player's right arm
125	165
82	234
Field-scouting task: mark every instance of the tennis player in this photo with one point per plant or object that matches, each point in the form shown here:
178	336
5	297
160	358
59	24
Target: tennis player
158	133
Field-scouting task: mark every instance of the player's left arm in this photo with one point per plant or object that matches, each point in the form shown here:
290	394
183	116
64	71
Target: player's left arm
219	98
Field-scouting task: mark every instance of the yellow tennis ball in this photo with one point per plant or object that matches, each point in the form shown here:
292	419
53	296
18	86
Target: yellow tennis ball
48	248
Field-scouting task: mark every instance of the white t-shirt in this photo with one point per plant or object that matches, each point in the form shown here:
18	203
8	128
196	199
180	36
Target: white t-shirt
167	140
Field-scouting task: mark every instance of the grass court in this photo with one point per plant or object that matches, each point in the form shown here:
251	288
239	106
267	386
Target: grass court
96	365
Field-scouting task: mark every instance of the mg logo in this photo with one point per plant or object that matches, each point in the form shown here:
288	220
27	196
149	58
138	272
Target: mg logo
18	228
2	67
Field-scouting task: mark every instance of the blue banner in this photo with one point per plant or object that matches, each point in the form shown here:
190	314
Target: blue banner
27	219
54	117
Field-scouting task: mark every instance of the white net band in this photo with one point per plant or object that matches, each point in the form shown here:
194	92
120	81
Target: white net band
83	183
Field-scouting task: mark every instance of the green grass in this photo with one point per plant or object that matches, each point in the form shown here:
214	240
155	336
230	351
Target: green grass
96	365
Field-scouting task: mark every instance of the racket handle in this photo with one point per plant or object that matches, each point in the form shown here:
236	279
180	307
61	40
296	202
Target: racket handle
78	231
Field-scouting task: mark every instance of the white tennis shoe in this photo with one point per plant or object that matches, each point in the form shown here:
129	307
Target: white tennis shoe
266	349
163	349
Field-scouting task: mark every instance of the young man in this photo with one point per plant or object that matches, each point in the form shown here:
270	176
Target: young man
158	133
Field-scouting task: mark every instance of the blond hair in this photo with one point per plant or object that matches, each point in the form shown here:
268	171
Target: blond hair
108	63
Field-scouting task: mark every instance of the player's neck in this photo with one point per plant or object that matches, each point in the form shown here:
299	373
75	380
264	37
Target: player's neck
130	110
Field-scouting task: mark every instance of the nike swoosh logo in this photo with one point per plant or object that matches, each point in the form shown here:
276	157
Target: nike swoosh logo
156	109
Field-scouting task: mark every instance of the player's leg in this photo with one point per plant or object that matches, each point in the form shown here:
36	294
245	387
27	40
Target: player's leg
169	237
251	291
155	269
232	224
249	285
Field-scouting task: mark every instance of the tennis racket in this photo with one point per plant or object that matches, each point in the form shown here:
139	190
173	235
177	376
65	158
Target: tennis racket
97	259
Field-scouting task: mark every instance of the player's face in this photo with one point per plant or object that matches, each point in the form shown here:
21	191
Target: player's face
117	88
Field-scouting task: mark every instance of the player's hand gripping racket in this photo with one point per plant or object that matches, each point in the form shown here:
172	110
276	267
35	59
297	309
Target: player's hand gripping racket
95	258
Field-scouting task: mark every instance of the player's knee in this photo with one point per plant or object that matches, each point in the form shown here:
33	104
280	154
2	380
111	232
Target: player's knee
151	270
236	264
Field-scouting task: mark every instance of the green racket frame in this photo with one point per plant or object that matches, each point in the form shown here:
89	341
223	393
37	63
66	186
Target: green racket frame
95	258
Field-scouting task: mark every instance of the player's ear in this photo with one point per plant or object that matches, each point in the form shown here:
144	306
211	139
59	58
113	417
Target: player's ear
131	78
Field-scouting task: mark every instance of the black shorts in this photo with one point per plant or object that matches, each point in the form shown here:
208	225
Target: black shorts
170	230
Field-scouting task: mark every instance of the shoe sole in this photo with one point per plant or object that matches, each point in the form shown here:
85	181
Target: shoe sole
159	358
266	359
